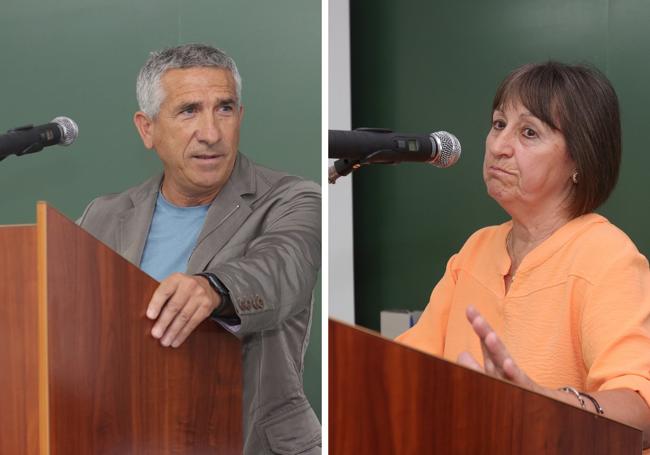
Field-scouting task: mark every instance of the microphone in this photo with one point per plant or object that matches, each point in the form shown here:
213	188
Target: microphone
31	139
362	146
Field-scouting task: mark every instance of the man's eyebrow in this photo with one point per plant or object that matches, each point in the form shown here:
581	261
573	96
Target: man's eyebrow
188	105
227	101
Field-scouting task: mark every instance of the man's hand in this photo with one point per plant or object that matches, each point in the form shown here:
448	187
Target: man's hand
180	304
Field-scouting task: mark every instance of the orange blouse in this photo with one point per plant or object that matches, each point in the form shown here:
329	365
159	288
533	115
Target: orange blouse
577	311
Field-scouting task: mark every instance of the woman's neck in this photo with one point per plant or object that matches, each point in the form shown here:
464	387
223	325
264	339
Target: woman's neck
527	233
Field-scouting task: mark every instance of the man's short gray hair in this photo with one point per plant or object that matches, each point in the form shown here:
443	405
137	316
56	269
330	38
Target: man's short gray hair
148	88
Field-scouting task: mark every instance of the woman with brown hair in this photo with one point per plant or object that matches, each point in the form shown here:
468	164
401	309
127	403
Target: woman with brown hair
558	298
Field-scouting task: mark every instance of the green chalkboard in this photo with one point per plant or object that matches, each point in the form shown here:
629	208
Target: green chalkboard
424	66
80	58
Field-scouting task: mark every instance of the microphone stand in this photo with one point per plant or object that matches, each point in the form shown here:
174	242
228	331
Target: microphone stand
342	167
345	166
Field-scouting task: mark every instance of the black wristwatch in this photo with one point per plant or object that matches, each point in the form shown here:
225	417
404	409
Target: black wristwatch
219	288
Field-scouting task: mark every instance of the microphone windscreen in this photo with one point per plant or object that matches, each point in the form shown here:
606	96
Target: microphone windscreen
448	149
69	130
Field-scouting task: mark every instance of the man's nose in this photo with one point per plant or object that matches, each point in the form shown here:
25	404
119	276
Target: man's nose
208	131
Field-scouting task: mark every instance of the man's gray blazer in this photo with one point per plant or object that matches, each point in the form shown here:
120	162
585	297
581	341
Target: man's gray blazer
261	238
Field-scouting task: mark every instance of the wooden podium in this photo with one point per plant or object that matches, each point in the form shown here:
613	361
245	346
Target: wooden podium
80	373
385	398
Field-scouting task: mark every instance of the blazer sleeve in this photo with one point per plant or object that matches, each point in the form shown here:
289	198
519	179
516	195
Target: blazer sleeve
275	277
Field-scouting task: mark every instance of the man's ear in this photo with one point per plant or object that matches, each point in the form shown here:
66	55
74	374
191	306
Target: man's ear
145	128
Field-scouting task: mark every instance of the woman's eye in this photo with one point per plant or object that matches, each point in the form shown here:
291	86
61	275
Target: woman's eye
529	133
498	124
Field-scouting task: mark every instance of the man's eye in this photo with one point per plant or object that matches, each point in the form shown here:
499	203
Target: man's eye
226	108
188	110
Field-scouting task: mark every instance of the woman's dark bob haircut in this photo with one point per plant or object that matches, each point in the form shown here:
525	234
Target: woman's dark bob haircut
579	102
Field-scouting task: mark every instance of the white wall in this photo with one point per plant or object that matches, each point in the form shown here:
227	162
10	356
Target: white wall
341	265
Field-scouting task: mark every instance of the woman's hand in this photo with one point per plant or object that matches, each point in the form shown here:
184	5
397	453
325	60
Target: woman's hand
624	405
496	358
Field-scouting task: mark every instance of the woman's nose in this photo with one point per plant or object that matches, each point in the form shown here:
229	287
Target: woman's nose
501	142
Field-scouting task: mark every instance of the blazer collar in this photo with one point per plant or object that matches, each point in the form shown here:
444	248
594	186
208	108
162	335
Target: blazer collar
136	221
227	213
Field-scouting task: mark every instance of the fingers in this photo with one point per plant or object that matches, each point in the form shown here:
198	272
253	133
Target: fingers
471	313
515	374
160	296
496	358
178	336
467	360
480	325
186	302
488	363
175	304
496	349
175	321
492	355
184	323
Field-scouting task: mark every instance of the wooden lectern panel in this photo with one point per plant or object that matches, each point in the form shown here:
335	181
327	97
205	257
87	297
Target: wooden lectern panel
18	341
112	389
385	398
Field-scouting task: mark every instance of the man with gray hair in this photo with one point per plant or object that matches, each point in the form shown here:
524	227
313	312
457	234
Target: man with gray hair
228	239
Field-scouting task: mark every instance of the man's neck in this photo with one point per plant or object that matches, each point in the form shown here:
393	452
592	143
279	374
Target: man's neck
183	199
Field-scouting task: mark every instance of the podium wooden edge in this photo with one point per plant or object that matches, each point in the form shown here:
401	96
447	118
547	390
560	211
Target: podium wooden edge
43	364
375	334
53	238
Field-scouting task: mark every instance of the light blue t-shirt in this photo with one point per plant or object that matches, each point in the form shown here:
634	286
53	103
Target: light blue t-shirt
172	237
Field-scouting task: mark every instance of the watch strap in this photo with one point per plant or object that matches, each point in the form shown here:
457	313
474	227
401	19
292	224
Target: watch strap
219	288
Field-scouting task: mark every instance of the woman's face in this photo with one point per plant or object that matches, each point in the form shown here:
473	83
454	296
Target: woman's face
526	166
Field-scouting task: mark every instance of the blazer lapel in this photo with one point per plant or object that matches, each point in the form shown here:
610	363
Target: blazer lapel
226	214
135	222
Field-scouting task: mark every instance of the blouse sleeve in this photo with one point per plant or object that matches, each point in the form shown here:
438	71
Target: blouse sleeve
615	326
428	334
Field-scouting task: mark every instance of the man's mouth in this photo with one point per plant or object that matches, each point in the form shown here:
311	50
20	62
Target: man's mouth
207	156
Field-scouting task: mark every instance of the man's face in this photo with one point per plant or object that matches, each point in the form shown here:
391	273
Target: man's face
196	133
